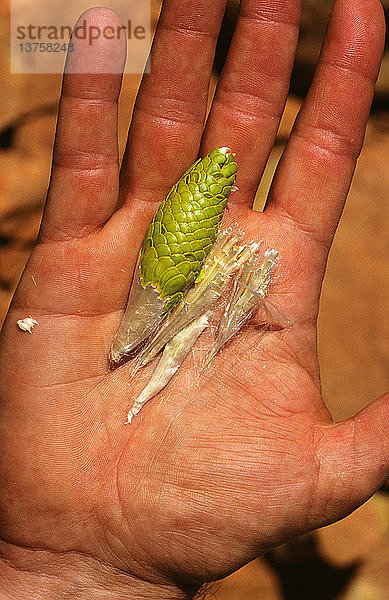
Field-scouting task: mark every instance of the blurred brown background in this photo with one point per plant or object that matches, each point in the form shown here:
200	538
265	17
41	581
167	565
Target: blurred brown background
348	560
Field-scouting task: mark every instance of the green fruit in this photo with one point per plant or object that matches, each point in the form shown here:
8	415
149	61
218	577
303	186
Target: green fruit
185	226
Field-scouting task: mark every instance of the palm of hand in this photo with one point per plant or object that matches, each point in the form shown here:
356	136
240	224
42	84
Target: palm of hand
211	472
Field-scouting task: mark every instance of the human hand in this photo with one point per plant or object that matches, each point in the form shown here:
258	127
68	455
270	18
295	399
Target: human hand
206	477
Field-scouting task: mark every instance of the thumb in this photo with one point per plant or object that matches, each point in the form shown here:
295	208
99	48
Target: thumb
353	461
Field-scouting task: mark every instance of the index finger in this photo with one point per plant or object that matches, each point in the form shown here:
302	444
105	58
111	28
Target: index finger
315	172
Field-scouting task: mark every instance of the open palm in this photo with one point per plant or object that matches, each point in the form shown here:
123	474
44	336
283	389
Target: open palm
221	464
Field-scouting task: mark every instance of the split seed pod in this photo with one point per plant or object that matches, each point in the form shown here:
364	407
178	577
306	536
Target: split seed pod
175	247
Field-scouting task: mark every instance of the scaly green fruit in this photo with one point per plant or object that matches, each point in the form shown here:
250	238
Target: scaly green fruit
185	226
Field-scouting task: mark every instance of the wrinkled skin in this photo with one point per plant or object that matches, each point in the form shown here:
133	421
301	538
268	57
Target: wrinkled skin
216	469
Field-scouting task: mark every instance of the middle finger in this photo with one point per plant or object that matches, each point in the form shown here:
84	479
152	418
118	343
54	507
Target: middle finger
253	88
